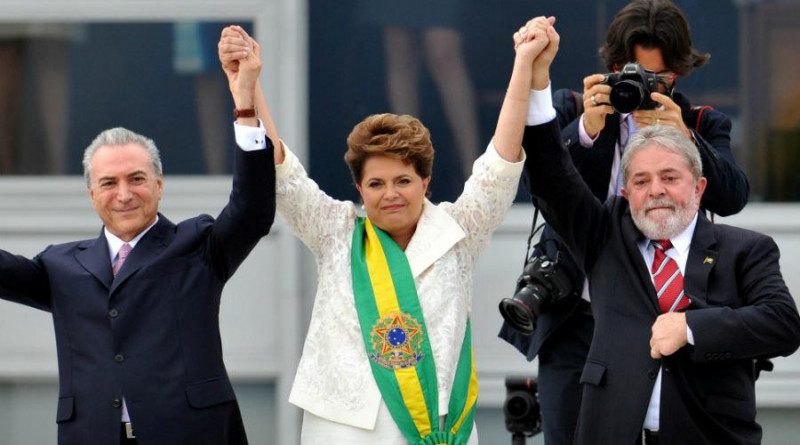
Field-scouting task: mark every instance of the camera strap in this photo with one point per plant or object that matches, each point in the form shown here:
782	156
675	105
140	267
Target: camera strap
398	346
700	109
534	230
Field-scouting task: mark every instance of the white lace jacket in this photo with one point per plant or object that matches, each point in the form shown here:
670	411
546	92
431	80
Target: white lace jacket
334	380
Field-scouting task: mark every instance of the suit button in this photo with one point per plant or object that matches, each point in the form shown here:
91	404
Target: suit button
652	374
119	358
567	142
113	313
116	403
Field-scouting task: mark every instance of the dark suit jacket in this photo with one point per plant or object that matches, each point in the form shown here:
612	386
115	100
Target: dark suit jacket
726	193
152	333
741	310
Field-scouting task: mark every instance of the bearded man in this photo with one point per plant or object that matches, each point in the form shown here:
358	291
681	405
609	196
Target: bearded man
682	307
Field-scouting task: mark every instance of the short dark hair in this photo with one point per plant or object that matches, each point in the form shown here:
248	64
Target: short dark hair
652	24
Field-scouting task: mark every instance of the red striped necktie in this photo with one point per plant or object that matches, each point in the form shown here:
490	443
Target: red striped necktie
668	279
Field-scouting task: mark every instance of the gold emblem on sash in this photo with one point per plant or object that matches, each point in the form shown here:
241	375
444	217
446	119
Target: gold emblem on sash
396	341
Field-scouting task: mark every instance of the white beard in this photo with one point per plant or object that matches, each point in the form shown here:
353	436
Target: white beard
660	226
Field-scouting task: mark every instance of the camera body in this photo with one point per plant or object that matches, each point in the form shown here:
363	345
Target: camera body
631	88
522	411
541	284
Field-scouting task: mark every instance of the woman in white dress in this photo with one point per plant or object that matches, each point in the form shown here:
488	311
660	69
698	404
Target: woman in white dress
388	358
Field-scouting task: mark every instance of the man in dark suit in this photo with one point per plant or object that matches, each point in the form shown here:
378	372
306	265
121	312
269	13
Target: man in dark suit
682	307
136	309
654	33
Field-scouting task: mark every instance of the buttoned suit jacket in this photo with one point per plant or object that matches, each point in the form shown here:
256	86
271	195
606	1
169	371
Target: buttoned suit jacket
726	194
150	334
741	310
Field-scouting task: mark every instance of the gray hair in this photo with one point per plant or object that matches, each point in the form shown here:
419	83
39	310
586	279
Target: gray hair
668	138
116	137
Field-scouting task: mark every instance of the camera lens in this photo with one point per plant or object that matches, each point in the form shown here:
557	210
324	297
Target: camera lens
522	411
517	314
518	405
626	96
521	310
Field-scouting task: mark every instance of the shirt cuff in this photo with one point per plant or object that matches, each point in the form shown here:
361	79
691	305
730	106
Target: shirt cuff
501	166
540	107
250	138
584	138
689	335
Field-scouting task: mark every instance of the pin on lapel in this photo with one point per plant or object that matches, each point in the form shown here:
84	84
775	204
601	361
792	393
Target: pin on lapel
708	260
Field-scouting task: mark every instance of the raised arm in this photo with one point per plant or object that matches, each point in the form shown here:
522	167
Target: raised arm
563	197
529	42
237	47
250	211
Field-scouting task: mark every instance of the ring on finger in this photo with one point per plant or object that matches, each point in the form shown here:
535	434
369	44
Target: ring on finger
522	30
658	120
593	100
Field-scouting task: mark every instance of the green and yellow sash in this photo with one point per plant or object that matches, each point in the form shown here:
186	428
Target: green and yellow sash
398	347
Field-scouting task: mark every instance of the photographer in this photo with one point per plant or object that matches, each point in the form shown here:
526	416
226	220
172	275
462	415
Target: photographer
655	34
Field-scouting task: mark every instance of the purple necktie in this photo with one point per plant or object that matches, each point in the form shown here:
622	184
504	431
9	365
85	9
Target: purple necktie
121	256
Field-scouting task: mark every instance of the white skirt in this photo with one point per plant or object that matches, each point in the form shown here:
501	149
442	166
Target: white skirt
319	431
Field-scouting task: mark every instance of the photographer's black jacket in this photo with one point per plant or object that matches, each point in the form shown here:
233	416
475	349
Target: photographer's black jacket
726	194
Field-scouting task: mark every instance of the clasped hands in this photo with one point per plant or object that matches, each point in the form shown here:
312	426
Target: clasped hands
240	56
537	41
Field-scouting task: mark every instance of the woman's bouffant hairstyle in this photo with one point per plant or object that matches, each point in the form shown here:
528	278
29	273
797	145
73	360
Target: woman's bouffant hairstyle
652	24
397	137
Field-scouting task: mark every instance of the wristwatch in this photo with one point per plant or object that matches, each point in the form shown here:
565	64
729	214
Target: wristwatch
250	112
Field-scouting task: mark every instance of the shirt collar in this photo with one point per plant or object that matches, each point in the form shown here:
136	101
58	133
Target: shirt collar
683	240
115	243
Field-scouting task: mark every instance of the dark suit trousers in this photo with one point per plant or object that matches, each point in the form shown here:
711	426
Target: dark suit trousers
561	362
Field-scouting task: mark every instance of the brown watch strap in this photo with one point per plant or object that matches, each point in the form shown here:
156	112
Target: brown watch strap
251	112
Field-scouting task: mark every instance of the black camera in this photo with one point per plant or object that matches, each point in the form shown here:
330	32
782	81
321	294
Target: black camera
521	408
541	284
631	88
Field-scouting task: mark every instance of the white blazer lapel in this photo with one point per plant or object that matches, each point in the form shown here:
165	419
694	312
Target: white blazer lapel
436	233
